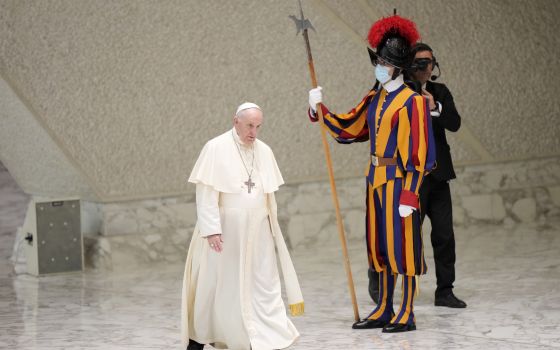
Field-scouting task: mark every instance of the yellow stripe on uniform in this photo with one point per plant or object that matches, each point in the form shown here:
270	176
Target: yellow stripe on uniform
381	310
378	109
405	303
385	128
403	135
390	188
409	295
409	246
380	177
353	129
419	182
422	142
408	180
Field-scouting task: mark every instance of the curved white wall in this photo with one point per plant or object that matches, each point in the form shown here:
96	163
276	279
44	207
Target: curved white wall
125	93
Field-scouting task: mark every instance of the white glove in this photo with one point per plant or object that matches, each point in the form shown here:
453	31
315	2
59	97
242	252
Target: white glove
405	210
315	96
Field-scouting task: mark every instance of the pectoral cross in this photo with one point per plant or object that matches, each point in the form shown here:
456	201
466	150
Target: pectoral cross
249	184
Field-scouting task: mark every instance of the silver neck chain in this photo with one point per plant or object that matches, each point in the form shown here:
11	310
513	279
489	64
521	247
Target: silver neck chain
241	156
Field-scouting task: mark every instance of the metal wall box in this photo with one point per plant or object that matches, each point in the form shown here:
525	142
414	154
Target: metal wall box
54	237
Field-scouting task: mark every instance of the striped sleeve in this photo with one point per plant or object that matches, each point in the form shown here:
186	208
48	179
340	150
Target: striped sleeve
346	128
415	143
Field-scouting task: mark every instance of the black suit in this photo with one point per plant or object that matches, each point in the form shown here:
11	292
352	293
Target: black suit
450	120
435	195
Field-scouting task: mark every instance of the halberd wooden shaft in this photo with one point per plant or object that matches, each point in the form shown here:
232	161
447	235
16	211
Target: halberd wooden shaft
340	225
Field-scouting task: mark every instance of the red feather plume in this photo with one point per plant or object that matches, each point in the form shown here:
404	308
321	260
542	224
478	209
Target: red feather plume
396	24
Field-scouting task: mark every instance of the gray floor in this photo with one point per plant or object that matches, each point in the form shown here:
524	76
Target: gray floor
507	275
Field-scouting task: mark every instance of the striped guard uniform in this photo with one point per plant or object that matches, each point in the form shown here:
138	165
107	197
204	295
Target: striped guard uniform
398	125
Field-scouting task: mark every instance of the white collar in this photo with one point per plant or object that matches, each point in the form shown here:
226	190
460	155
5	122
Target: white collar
393	85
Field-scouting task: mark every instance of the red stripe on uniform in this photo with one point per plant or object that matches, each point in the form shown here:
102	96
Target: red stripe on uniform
394	119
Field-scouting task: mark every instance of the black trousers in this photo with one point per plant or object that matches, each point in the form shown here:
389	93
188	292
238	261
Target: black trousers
435	202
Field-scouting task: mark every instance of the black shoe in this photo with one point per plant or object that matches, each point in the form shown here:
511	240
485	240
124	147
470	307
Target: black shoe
398	327
369	324
450	300
373	287
194	345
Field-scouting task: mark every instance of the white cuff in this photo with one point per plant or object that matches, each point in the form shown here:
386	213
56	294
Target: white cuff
437	112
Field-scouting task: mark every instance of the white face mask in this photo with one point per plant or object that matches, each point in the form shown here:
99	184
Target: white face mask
382	74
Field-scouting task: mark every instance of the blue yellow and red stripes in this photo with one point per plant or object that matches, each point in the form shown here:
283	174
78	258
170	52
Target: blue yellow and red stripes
350	127
393	241
398	125
406	310
384	310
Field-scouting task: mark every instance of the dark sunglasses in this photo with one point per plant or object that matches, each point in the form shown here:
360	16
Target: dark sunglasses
421	64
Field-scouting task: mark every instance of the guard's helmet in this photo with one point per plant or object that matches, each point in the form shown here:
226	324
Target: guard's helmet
392	38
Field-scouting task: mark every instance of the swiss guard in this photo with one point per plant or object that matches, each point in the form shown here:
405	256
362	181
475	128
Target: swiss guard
396	120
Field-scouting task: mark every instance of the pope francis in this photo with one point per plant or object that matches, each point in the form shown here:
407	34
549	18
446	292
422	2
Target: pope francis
231	295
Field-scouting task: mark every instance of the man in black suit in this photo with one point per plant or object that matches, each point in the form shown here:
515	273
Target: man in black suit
435	195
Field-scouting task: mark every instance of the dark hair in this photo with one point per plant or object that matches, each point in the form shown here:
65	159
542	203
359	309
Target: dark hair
409	80
419	47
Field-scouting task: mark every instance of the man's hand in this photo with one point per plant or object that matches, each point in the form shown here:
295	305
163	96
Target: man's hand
315	97
430	98
215	242
405	210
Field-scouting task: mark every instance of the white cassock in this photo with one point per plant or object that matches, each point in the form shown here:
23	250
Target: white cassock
233	299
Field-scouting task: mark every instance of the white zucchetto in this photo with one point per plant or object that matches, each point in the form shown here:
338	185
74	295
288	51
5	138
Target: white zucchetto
245	106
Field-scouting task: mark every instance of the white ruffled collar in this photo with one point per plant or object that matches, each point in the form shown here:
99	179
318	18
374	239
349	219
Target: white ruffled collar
393	85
